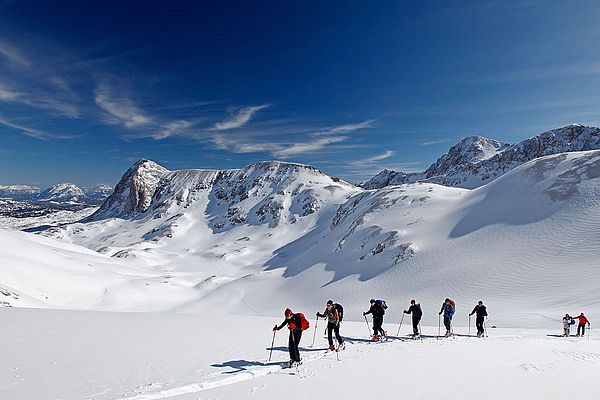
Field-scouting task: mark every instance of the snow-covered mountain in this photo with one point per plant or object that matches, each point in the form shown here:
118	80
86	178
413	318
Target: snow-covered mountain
62	193
97	194
476	160
276	234
19	192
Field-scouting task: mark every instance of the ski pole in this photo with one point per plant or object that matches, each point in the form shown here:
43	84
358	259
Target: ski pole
420	335
439	325
401	319
485	327
367	322
272	344
469	324
315	334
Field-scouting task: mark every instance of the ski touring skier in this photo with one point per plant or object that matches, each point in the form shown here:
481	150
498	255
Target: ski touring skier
417	313
583	321
481	312
567	322
334	314
296	323
448	308
377	310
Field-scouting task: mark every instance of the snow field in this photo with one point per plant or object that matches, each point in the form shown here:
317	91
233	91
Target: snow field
69	355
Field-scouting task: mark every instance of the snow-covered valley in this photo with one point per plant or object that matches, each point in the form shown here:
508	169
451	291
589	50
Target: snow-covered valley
69	355
205	261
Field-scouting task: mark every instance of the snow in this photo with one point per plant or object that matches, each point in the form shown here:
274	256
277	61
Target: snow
476	161
22	215
72	355
204	261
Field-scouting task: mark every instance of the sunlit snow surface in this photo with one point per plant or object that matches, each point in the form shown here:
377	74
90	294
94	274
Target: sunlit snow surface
229	254
72	355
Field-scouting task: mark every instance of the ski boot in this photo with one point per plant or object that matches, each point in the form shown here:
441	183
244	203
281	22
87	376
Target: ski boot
331	347
375	338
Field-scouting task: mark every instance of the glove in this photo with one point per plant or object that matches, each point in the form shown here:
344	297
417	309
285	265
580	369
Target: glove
364	313
440	313
292	326
275	328
317	315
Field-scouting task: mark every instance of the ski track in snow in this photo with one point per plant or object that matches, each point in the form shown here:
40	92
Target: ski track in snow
353	349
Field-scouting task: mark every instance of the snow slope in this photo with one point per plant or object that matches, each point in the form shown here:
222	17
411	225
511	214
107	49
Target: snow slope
70	355
274	235
42	272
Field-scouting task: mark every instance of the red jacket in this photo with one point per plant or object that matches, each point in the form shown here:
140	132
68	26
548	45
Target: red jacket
582	320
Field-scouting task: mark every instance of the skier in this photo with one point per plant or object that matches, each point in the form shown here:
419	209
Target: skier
333	323
582	322
567	322
415	310
294	323
377	310
448	308
481	314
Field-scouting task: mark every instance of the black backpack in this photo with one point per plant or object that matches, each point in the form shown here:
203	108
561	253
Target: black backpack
340	310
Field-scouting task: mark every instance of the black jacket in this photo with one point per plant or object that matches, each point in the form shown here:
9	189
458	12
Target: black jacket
295	320
480	310
377	311
415	310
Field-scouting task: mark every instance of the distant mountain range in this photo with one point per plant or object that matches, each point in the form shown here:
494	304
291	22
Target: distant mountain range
477	160
61	193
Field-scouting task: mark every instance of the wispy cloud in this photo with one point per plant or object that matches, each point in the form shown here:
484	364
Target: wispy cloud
172	128
8	94
14	55
119	109
241	118
244	146
308	147
287	140
31	132
437	141
348	127
368	167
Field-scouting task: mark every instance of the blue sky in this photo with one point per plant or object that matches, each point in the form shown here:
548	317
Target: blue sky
87	88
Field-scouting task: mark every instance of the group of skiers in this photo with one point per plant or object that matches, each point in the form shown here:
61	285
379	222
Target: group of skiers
334	314
568	321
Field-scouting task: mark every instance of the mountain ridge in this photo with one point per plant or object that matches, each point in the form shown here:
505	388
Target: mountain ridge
476	160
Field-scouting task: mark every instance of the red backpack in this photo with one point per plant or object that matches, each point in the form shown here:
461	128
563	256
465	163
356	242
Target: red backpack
303	322
453	305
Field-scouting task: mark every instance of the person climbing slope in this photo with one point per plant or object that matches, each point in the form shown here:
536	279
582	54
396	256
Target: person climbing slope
334	317
448	308
481	312
377	310
415	310
567	322
582	323
296	324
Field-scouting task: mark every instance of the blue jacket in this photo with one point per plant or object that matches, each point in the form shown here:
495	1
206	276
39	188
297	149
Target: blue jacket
448	310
